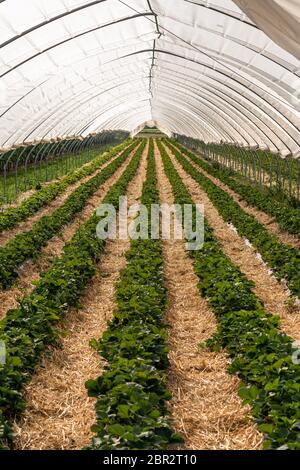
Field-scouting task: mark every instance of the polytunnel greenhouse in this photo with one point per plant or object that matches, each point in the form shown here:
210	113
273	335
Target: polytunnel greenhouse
150	226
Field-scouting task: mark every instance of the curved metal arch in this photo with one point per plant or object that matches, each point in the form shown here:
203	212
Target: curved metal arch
49	21
197	96
103	84
96	97
46	81
171	119
274	59
174	123
113	106
83	129
241	128
260	98
191	122
76	36
223	12
282	124
263	87
198	50
101	1
259	74
202	117
271	105
87	99
46	111
254	107
282	128
166	122
228	77
229	99
229	132
254	126
67	112
80	103
235	130
226	97
189	125
119	120
24	96
43	119
235	91
110	119
77	106
114	123
212	107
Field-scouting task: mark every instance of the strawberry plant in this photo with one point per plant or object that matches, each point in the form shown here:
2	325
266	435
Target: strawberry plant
261	353
28	244
284	212
28	329
132	394
10	217
283	259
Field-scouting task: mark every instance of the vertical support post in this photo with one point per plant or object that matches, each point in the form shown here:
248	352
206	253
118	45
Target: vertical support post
56	158
260	167
26	165
290	178
271	171
279	173
6	198
16	169
47	153
245	163
298	180
51	146
40	156
2	156
35	161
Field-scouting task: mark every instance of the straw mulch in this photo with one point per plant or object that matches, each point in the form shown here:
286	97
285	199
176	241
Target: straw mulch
59	413
30	271
274	294
265	219
205	407
48	210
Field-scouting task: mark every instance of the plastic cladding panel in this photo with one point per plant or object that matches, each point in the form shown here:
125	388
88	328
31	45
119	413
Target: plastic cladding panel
201	68
280	19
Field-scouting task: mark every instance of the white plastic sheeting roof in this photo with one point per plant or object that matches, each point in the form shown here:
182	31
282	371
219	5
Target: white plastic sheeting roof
199	68
279	19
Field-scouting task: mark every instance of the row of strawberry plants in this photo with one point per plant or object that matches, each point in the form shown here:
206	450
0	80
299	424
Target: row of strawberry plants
288	217
283	259
28	244
11	217
27	330
131	394
261	354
